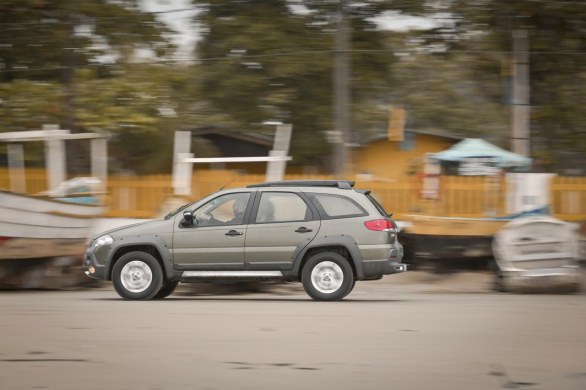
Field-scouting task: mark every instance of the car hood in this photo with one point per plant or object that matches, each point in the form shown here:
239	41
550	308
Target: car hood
152	226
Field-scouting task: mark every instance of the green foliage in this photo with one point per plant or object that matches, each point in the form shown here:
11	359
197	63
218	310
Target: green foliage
74	63
261	61
52	60
447	92
46	39
557	46
28	104
265	64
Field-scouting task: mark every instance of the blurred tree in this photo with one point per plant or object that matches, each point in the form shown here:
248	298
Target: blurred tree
75	64
259	63
47	39
262	61
557	70
459	92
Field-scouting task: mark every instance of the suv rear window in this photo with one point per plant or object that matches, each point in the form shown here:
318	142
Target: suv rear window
336	206
377	205
282	207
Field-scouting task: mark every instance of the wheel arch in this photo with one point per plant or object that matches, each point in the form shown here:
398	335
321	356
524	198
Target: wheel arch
343	245
155	247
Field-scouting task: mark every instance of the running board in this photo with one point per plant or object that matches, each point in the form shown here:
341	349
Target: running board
230	275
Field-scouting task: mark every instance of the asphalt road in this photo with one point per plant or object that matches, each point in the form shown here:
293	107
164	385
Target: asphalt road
409	331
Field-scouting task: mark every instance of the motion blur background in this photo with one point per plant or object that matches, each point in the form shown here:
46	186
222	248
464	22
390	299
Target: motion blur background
141	70
343	74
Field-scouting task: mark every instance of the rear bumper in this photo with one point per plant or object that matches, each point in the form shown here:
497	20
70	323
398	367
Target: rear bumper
394	268
375	269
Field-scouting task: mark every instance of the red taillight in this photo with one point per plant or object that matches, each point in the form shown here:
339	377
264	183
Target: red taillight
380	225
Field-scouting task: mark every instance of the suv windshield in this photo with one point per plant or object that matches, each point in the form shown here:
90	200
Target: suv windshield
175	212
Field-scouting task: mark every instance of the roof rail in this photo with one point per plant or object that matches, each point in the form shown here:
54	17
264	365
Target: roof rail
342	184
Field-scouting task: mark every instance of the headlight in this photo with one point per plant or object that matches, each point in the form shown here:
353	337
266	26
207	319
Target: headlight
102	240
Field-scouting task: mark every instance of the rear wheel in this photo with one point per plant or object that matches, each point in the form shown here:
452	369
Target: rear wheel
351	287
137	276
166	290
327	276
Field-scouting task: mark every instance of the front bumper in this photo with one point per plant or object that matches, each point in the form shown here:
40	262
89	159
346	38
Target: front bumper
93	267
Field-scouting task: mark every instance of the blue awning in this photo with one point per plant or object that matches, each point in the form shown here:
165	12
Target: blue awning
479	148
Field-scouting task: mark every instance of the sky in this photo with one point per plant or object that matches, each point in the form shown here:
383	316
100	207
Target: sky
180	20
187	35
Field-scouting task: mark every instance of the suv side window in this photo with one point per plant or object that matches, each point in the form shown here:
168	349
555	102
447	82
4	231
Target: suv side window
224	210
281	207
337	206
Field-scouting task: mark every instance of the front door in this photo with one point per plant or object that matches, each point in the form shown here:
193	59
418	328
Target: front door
216	239
282	222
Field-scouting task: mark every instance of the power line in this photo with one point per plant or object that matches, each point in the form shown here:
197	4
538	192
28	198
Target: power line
173	10
281	54
48	21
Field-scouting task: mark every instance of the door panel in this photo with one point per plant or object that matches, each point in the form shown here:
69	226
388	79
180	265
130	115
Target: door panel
272	245
282	222
209	247
216	241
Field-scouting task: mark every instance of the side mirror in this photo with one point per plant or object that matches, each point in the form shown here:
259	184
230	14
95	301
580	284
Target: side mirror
187	218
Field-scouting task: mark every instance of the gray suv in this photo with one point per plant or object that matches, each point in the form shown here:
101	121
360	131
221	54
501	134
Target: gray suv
325	234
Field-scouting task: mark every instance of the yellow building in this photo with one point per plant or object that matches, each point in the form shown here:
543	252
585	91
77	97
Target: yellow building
383	159
388	157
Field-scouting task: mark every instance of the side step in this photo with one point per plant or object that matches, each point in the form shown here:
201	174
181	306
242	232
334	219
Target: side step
202	276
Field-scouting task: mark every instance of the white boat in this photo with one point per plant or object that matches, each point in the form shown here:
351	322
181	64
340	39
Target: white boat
43	226
537	253
55	223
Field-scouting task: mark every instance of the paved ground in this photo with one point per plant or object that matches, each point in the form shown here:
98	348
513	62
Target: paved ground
409	331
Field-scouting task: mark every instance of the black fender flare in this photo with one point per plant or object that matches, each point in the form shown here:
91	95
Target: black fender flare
145	240
340	240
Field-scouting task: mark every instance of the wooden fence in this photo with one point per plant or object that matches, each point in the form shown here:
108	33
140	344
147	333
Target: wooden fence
568	198
459	196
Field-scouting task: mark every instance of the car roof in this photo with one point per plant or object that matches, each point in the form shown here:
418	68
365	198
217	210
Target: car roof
341	184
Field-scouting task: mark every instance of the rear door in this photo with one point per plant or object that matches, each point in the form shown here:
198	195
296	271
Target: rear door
281	221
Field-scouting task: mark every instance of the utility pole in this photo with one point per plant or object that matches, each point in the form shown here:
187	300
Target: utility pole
520	140
341	92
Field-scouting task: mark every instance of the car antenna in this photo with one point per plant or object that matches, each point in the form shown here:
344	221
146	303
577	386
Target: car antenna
231	181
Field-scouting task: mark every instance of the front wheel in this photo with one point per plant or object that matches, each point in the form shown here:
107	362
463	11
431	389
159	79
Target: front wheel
327	276
137	276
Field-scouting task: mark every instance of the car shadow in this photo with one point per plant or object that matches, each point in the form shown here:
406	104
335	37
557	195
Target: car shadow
252	299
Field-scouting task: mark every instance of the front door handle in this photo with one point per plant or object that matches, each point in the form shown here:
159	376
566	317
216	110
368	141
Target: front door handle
233	233
303	229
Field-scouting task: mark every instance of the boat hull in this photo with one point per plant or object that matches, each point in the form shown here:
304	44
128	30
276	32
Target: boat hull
35	248
538	253
35	227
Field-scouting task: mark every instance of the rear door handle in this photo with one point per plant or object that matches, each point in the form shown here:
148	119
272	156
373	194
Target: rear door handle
303	229
233	233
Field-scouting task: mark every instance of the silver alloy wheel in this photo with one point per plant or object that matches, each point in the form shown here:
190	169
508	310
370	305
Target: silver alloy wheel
136	276
327	277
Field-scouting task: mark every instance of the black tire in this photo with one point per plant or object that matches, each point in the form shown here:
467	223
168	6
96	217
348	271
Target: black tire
327	276
137	276
351	287
166	290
